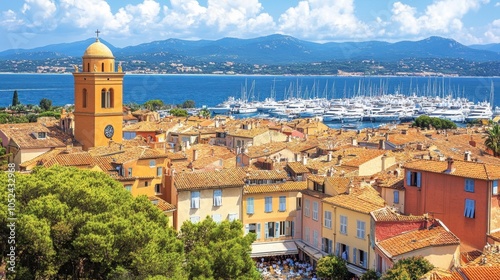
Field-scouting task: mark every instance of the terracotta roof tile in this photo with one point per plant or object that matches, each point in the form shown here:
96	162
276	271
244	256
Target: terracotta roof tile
282	187
340	184
387	215
161	204
22	135
248	133
481	273
266	175
125	153
466	169
265	149
488	258
361	199
224	178
418	239
297	167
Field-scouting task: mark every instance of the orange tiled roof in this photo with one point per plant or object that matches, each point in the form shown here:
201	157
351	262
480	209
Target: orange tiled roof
248	133
387	215
340	184
360	199
266	175
283	187
466	169
495	236
72	159
231	177
481	273
488	258
265	149
418	239
161	204
297	167
22	135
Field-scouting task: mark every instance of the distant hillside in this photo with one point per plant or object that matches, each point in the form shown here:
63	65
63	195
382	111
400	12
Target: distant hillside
272	50
487	47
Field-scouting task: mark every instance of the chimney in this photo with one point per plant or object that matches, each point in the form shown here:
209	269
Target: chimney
304	159
386	136
330	172
339	160
381	144
450	167
354	141
195	154
216	122
467	156
384	158
329	156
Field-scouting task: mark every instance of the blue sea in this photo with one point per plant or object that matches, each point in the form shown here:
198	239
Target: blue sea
210	90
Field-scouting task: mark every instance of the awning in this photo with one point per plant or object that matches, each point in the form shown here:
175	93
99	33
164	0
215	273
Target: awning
311	251
273	249
355	269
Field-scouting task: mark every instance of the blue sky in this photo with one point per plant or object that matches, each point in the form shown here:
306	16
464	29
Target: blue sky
32	23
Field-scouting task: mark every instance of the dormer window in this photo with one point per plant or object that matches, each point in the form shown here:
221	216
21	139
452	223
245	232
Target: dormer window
41	135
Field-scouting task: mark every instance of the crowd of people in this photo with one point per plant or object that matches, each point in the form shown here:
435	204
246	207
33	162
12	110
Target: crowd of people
285	267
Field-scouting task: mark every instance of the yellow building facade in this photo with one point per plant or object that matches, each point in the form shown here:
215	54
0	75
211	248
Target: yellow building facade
98	97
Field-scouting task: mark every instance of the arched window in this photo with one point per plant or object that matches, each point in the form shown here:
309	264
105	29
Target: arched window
102	66
84	98
105	99
111	67
88	67
111	98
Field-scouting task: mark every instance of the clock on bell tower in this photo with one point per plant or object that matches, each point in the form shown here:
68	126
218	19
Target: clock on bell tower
98	97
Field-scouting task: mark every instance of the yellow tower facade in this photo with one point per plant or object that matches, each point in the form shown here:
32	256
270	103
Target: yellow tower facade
98	98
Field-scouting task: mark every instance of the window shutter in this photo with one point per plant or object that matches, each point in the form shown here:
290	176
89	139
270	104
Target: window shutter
495	187
473	208
365	259
246	229
277	229
266	230
330	242
419	179
396	197
337	249
347	251
258	231
293	232
354	255
408	178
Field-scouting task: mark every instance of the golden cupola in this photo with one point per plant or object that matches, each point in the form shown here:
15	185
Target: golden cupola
98	58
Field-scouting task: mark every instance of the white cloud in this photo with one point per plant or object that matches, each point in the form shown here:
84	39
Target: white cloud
497	4
492	35
316	19
39	14
441	17
10	21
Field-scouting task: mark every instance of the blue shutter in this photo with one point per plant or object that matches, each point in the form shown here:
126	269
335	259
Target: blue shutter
495	187
277	229
354	261
250	208
266	230
347	252
293	229
408	178
330	242
396	197
419	179
258	231
365	259
337	249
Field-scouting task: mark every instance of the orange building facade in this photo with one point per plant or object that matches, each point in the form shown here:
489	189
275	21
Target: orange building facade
98	93
464	195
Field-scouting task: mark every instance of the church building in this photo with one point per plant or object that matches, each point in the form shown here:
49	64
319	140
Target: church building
98	113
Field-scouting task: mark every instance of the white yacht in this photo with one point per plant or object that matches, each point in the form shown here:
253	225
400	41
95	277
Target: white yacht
480	111
334	114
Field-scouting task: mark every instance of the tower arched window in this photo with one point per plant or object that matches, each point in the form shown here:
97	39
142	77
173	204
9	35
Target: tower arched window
111	67
105	98
88	67
102	67
84	98
111	98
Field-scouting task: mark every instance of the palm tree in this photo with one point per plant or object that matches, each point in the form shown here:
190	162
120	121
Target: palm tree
493	139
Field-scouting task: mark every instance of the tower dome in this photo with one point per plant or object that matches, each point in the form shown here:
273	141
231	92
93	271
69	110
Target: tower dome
98	50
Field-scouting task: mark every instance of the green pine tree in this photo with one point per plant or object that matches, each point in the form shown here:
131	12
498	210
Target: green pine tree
15	99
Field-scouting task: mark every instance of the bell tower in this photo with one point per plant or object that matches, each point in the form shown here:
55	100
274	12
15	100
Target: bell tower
98	97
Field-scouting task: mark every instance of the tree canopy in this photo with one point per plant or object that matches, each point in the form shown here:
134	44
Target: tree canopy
231	260
45	104
178	112
411	268
426	121
492	140
187	104
155	104
15	99
82	224
332	267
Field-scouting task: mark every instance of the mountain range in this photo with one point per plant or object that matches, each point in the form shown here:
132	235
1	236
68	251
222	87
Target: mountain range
272	50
